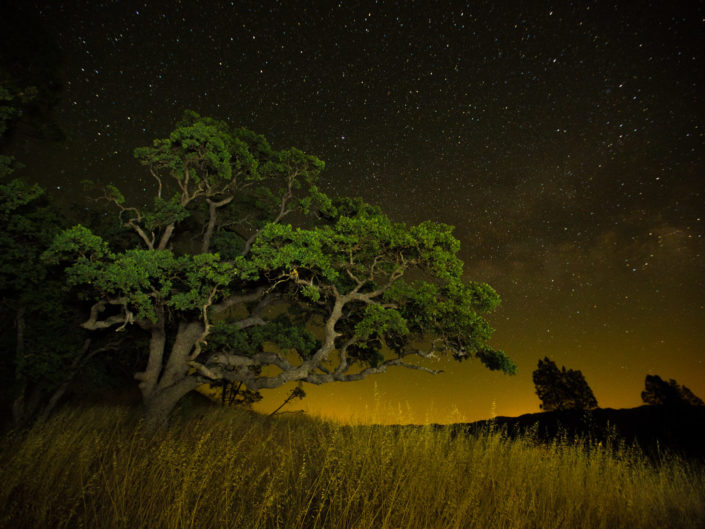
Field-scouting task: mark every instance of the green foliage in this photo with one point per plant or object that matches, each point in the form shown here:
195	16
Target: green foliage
380	320
14	195
344	269
200	276
165	212
293	161
367	246
197	152
353	207
496	360
438	250
50	343
140	279
311	292
79	242
28	227
36	348
34	297
284	333
227	244
317	202
452	314
562	389
281	248
204	160
7	166
209	154
114	193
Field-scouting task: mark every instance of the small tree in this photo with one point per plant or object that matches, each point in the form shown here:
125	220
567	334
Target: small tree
561	389
658	392
297	392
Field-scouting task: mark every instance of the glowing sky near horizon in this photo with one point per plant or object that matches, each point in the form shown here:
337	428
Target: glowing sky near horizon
563	140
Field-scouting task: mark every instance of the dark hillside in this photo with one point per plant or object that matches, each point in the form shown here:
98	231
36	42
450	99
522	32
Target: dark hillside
654	428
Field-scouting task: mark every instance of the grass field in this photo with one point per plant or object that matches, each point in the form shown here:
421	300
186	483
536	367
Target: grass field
94	468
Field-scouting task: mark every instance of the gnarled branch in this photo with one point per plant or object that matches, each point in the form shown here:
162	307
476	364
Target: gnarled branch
93	323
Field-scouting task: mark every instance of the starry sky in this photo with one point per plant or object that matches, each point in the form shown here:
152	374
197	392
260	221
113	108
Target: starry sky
563	140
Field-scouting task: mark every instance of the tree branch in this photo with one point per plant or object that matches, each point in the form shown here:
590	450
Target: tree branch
138	229
283	212
212	217
237	300
159	181
237	362
343	365
93	324
164	240
206	325
78	362
382	368
253	321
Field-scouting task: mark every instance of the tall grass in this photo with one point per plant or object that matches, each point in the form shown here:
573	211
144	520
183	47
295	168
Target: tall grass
95	468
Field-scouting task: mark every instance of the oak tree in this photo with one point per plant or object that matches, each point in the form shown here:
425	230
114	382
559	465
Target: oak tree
246	272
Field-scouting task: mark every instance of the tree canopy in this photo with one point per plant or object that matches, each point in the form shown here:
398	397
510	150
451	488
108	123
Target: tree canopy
658	392
561	389
40	347
215	273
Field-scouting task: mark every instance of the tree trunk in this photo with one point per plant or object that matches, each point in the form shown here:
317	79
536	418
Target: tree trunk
149	378
161	403
19	325
164	383
27	399
26	405
82	357
156	412
53	401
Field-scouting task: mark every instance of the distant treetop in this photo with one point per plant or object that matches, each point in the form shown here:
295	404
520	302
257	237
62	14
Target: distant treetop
658	392
561	389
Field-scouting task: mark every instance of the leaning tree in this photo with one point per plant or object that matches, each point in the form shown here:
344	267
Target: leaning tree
217	274
562	389
658	392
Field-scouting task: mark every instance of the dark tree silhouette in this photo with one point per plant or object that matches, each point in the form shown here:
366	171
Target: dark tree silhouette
561	389
658	392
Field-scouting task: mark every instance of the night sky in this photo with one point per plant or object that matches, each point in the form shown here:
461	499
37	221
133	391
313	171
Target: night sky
564	142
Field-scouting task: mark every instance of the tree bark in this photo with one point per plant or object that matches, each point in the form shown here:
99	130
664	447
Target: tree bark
163	386
212	218
20	325
177	365
25	403
59	392
150	376
159	406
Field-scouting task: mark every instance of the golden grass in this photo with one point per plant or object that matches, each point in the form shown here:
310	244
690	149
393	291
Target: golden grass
94	468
